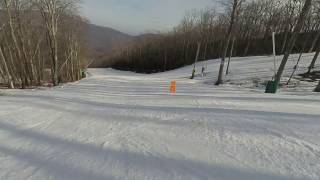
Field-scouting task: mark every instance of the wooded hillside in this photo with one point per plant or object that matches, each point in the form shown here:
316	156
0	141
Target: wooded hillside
40	41
251	34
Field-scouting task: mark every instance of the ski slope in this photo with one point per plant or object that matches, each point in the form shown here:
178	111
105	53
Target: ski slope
121	125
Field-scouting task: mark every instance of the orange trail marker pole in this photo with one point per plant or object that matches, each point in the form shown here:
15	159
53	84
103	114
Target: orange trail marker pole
173	87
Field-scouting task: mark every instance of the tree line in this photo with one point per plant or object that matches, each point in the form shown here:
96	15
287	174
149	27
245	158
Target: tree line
40	41
241	28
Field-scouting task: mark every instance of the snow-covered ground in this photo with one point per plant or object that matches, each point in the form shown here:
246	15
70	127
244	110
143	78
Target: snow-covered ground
122	125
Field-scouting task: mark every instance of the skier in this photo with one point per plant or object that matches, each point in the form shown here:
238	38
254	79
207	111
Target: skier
202	71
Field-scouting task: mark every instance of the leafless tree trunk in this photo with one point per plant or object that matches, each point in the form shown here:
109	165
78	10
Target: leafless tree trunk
51	15
9	77
285	41
317	88
314	60
295	68
8	4
235	6
230	55
293	39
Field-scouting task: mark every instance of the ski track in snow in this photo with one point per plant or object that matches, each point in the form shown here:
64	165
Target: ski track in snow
121	125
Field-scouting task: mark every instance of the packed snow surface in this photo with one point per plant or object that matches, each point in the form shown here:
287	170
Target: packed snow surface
121	125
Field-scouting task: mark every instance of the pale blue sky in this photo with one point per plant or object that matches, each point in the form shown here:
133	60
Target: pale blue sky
139	16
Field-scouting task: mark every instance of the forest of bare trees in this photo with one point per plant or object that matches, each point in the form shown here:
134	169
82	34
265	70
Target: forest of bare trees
40	41
242	28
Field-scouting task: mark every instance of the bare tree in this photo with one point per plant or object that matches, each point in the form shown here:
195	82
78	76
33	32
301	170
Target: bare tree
315	19
313	62
51	11
230	55
292	41
235	4
317	88
6	69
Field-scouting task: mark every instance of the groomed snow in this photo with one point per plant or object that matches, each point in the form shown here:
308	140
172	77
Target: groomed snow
121	125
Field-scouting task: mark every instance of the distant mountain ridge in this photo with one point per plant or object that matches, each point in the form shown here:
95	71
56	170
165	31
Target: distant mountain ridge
102	40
